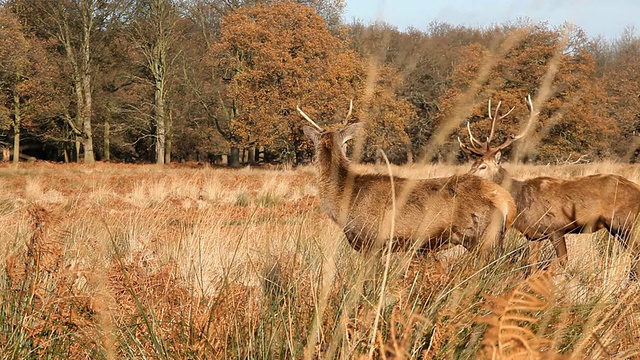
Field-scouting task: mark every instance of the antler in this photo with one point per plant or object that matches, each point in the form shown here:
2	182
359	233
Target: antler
511	138
470	150
344	122
477	147
495	117
308	118
482	148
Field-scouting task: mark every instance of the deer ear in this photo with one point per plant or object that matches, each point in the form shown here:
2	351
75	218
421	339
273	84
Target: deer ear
311	133
497	157
350	131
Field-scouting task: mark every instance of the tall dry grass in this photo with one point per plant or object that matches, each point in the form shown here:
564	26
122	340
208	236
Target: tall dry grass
118	261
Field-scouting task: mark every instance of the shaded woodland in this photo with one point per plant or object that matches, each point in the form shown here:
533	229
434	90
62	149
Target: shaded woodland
161	81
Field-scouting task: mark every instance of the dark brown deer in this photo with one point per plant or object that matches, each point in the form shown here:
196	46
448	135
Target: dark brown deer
549	208
464	209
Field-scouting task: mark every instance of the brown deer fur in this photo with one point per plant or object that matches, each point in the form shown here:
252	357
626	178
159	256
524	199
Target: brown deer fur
462	209
549	208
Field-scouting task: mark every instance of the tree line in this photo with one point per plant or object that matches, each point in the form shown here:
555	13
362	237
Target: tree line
170	80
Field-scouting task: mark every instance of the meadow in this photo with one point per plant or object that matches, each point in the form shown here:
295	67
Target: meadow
114	261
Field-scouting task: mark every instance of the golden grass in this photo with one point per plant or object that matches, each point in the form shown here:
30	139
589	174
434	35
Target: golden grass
123	261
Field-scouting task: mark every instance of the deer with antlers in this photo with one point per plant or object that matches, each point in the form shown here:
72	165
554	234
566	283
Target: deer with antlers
464	209
549	208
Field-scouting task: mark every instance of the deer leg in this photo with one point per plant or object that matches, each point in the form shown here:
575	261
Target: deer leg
492	238
519	254
635	268
525	254
560	245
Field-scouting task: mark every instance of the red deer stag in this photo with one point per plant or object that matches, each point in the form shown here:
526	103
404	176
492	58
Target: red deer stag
549	208
464	209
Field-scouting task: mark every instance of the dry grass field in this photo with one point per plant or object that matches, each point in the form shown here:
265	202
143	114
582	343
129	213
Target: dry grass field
138	261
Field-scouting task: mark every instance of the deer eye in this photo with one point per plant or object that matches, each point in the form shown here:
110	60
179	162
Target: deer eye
482	167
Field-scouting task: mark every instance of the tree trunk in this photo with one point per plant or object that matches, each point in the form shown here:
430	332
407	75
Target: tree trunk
168	136
77	142
82	80
107	141
160	124
79	120
234	157
85	81
161	21
87	135
16	127
267	155
87	143
252	155
167	151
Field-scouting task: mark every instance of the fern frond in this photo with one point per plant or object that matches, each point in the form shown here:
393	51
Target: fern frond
509	334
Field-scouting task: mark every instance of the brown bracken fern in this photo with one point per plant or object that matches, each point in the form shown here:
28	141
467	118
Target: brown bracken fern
509	334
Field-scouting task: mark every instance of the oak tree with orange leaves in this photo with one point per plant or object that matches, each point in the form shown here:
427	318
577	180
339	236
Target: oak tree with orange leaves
572	120
387	117
621	81
276	56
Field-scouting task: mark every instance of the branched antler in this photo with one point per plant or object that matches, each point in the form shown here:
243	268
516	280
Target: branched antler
484	148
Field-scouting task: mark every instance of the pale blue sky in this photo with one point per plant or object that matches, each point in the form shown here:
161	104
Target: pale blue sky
595	17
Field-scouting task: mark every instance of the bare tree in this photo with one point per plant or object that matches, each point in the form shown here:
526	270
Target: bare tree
75	25
155	35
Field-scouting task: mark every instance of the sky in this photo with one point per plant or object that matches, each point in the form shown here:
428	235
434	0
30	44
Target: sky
608	18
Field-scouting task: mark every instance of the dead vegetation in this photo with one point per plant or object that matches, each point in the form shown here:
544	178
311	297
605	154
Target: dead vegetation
125	262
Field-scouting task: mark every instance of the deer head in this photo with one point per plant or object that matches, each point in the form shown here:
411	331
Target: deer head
331	145
488	165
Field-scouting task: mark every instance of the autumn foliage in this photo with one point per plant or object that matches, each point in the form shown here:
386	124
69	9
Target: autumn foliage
571	120
201	80
276	56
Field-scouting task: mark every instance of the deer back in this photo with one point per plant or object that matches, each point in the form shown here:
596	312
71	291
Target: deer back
547	204
457	209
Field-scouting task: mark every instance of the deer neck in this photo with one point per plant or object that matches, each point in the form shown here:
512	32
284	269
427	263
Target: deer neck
504	179
334	168
334	175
